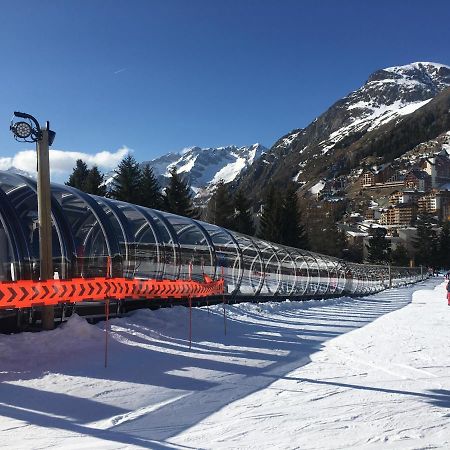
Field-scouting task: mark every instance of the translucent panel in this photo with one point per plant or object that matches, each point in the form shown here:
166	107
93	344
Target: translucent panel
148	257
301	272
252	266
196	253
324	275
168	245
228	256
314	274
21	193
93	250
288	272
271	267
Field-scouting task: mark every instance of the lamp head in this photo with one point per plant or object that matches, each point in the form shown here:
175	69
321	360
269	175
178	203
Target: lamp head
26	130
21	130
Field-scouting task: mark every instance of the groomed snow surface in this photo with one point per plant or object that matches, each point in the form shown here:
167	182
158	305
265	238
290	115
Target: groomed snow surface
365	373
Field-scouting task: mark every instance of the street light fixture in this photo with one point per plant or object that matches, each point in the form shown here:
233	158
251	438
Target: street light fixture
21	130
29	130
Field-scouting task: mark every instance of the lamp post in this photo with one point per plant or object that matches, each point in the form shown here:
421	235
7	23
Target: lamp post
29	130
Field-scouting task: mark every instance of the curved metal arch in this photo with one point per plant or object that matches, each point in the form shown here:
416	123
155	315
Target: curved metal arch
67	241
274	254
212	250
261	261
308	276
124	227
335	268
15	234
160	248
294	282
325	261
312	256
241	259
63	230
173	235
112	243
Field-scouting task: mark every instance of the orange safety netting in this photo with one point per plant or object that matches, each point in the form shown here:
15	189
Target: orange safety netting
27	293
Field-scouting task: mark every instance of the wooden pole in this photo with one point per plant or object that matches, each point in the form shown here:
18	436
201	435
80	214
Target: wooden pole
45	221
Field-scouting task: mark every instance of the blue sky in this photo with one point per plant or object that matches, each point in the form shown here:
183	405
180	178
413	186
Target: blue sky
157	76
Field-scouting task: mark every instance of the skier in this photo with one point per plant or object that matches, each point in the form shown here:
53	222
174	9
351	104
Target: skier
448	293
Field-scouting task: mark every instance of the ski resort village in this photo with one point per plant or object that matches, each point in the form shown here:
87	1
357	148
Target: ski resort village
224	225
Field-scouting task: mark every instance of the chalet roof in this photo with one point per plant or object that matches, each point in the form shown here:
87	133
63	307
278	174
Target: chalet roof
419	174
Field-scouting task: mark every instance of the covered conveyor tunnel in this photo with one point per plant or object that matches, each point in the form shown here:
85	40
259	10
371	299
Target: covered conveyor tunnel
95	237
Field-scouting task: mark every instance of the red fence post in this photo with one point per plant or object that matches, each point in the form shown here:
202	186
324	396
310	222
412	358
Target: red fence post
106	331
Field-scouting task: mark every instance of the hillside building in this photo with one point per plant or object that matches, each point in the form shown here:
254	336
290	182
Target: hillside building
438	168
401	214
417	179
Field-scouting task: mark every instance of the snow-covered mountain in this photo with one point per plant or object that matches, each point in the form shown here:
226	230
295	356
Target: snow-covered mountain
388	96
204	167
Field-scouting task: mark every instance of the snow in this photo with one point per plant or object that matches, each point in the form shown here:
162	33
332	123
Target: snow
368	372
230	171
317	187
205	166
287	141
415	66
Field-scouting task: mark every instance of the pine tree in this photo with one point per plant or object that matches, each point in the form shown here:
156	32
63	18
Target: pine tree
292	231
79	174
270	222
220	208
126	185
426	243
379	248
400	256
94	182
444	246
178	198
151	196
242	218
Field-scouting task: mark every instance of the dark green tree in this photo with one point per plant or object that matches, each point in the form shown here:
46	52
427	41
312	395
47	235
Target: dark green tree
94	183
292	231
400	256
379	248
220	208
426	243
270	221
444	246
79	174
354	251
323	234
178	198
150	189
127	181
242	219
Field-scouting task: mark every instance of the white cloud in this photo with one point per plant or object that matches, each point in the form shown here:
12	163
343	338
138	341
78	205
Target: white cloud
63	161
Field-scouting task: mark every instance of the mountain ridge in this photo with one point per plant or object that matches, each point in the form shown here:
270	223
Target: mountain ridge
388	95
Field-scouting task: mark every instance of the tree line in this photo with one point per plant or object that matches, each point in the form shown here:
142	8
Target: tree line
137	185
277	219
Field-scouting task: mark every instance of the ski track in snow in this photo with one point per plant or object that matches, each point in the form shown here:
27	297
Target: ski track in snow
344	373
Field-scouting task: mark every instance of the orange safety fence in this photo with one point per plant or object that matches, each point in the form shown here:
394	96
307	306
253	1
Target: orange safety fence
27	293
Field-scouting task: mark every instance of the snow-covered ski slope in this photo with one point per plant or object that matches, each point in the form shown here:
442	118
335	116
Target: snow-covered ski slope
335	374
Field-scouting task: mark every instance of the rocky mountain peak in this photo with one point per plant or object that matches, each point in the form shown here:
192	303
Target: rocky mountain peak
206	166
389	95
